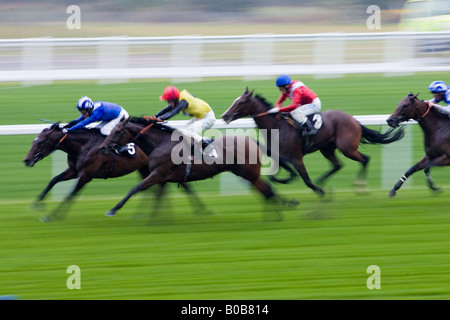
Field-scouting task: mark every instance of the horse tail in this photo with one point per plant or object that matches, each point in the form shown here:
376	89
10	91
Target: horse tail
370	136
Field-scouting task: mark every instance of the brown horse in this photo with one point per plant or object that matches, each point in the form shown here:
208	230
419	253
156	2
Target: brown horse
170	160
339	131
85	162
436	129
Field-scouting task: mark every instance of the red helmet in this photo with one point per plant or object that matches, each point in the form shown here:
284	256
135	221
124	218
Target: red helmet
170	93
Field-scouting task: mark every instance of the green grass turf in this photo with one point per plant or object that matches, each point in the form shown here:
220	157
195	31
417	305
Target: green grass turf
321	250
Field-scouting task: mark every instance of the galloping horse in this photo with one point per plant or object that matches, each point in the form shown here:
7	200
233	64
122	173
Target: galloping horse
85	161
339	130
156	141
436	129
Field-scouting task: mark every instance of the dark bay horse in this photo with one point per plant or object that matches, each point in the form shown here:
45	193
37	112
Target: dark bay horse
238	154
85	162
339	131
436	129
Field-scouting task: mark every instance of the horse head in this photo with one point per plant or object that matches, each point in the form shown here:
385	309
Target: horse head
406	109
119	136
45	143
241	107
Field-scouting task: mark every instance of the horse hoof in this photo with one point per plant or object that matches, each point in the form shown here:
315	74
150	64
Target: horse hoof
49	218
110	213
360	187
37	206
45	219
436	190
290	204
392	193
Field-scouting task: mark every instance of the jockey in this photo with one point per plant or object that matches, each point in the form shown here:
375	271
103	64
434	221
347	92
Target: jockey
304	102
441	92
203	115
91	111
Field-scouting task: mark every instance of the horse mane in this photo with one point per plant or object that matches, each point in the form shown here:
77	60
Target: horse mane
145	121
413	96
264	101
141	120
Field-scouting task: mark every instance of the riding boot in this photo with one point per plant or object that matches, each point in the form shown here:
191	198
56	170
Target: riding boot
206	142
308	128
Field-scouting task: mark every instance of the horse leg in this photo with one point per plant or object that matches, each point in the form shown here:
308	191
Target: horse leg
143	205
329	153
196	202
360	182
149	181
301	169
62	209
417	167
67	174
271	206
430	181
441	161
159	194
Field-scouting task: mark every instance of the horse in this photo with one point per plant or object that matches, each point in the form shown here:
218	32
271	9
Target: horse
166	166
339	131
436	129
85	162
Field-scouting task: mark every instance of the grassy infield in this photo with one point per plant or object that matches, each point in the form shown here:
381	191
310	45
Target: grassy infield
320	251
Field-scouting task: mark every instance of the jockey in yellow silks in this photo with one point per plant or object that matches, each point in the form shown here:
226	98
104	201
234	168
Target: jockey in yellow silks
202	115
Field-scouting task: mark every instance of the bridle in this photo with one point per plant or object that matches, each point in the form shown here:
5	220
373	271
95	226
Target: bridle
39	155
112	144
413	101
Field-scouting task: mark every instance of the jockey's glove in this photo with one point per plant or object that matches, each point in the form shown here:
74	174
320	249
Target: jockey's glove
64	131
274	110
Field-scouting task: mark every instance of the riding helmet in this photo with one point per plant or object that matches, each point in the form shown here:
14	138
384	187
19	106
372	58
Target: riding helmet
170	93
283	80
85	103
438	86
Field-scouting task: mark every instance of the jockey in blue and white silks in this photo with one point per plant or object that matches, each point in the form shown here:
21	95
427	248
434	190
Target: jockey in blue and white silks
108	113
441	92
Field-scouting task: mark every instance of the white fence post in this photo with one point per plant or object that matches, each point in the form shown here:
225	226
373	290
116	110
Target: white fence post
329	50
257	52
37	55
112	53
401	50
186	53
396	158
59	164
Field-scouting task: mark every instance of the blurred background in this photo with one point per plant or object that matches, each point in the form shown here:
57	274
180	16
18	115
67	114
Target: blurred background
188	40
176	17
359	56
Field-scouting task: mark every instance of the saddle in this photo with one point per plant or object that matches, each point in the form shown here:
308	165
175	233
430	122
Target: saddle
316	119
128	150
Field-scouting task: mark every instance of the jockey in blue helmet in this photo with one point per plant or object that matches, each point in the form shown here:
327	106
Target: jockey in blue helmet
441	92
108	113
304	102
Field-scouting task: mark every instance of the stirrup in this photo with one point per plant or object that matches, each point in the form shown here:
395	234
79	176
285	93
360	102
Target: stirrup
212	153
309	131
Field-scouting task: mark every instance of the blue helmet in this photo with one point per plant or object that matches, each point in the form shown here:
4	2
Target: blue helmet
283	80
438	86
85	103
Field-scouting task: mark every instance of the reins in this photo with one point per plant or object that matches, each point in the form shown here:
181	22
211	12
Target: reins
261	114
59	142
146	128
426	112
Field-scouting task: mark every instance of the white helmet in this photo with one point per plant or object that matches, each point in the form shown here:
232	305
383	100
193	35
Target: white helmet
438	86
85	103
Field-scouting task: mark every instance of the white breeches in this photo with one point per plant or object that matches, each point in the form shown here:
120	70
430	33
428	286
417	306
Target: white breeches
107	126
300	114
195	126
